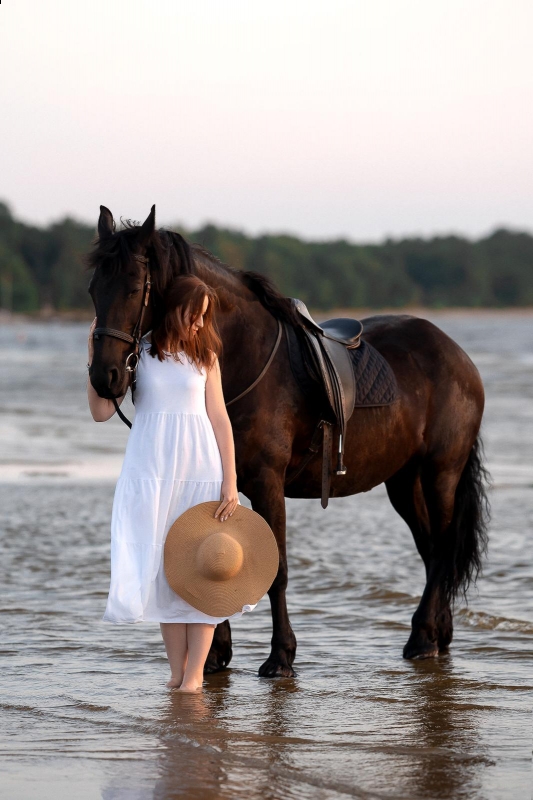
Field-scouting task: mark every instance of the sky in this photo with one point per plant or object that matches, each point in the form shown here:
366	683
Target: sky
360	119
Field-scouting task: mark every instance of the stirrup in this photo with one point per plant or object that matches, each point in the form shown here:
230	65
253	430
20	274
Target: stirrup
341	469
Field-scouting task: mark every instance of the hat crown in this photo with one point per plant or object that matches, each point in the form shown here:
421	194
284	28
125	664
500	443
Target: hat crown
219	557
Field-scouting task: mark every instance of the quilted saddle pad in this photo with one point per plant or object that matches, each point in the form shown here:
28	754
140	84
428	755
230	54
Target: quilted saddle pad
375	381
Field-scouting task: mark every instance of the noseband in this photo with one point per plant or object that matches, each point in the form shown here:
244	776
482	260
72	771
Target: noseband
135	339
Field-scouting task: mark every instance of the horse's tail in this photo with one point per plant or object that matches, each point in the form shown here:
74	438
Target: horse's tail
466	540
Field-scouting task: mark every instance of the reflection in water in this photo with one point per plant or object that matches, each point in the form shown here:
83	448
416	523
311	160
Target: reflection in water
205	755
192	736
445	733
189	763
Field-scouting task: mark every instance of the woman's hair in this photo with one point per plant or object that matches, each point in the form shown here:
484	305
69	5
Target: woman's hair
188	291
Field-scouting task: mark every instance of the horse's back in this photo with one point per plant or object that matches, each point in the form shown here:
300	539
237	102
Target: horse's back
398	335
429	364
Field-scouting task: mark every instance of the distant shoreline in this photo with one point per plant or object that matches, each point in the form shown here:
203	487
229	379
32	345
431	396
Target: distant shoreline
49	316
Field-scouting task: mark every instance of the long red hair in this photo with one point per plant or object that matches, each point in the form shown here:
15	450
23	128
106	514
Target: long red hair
188	292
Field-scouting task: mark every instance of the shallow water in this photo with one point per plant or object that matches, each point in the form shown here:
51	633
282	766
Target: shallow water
84	708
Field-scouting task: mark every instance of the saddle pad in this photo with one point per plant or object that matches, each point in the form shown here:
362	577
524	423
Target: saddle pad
374	379
375	382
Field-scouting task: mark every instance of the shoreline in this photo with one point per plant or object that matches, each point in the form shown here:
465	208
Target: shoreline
48	316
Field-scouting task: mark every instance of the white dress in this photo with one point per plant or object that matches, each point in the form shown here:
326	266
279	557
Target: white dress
172	462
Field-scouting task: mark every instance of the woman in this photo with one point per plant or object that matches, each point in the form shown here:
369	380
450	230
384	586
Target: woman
180	453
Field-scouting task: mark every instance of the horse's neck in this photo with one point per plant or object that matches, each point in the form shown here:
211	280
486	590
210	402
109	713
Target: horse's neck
243	320
216	275
244	348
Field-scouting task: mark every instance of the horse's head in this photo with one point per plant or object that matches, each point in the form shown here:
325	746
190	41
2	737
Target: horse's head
118	289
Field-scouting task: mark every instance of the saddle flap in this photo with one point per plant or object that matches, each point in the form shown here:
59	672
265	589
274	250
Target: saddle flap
341	367
335	366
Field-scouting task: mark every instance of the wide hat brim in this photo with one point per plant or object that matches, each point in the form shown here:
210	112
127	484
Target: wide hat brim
220	598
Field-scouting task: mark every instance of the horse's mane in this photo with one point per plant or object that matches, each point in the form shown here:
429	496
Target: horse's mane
174	256
272	299
167	249
260	285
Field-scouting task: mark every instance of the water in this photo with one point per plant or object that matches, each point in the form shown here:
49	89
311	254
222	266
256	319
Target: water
84	708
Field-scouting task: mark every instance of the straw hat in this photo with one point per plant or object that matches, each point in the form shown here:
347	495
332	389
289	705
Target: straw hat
218	567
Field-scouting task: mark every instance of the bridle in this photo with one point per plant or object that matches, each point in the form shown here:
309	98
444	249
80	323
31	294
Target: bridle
132	360
134	338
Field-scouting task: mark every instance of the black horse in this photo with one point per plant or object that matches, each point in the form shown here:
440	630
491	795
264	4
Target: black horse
425	446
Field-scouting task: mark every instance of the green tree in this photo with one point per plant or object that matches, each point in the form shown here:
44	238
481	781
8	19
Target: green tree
44	265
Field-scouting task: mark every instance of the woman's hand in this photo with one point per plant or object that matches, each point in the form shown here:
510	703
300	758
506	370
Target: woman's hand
101	408
90	342
229	500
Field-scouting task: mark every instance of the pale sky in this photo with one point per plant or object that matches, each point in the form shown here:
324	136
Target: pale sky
355	118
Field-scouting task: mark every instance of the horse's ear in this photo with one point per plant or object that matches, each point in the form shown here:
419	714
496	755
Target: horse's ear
106	225
147	228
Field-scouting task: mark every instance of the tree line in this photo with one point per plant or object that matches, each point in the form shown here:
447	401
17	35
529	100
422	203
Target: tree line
44	267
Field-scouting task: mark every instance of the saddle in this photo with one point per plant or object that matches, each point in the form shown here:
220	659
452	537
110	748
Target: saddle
351	372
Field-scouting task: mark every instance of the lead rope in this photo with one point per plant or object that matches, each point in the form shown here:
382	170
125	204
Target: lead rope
122	416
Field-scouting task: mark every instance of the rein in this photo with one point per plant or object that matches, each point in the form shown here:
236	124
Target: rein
273	353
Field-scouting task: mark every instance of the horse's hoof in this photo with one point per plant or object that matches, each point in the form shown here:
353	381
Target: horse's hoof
420	649
211	666
214	665
221	651
276	669
445	640
430	653
444	623
216	662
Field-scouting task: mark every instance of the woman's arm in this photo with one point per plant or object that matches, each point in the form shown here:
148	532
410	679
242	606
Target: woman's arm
101	409
217	413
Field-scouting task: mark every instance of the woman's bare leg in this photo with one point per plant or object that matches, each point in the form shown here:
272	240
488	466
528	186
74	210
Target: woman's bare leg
175	638
199	639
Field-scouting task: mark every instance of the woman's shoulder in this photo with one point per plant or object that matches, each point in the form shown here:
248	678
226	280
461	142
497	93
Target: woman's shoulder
145	342
213	360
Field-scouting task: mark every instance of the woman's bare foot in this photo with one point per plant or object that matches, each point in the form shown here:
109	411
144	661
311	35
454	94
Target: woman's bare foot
191	687
174	683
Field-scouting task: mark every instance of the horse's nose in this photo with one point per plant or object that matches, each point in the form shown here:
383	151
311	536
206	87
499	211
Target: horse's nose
112	377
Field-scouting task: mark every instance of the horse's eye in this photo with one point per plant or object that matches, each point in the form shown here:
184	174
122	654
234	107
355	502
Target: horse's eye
133	292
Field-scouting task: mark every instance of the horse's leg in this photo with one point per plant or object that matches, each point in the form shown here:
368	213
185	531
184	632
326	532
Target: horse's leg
221	651
268	499
432	624
407	498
